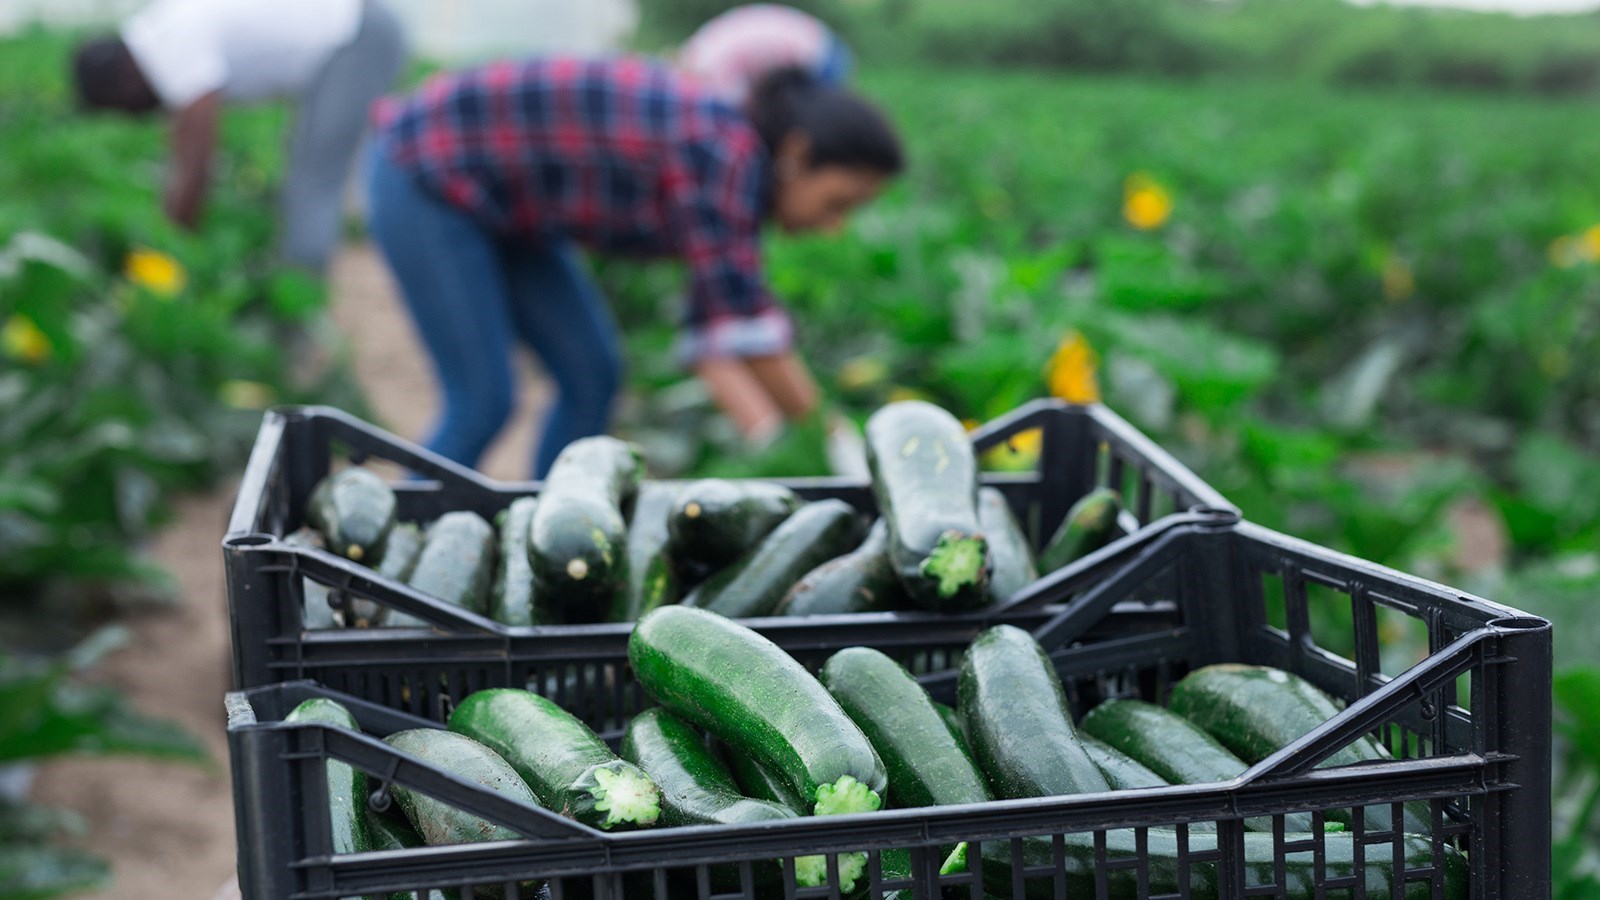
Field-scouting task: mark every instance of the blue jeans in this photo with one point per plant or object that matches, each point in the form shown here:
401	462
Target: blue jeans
472	293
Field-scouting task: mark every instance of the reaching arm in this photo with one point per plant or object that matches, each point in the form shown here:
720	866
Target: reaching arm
758	393
194	141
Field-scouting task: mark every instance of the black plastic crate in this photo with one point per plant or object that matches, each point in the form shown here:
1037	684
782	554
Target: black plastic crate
1470	722
1083	447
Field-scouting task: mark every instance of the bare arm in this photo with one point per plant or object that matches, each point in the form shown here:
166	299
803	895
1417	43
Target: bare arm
194	142
759	393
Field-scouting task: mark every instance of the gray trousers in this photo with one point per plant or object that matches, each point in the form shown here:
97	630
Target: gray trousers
329	121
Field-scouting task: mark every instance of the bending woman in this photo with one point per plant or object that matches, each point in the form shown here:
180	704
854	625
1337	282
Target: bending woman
483	183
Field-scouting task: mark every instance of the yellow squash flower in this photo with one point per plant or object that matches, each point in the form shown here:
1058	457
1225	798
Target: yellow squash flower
1071	370
898	394
156	272
23	341
1019	454
1145	203
1591	243
246	394
862	372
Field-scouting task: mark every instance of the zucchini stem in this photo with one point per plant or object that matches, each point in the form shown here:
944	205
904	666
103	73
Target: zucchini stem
846	796
625	795
957	561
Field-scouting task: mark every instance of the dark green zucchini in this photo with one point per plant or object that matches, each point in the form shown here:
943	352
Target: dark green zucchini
862	580
577	542
317	613
925	480
757	781
400	555
652	571
566	765
1017	721
952	721
347	785
1122	771
1011	565
716	521
457	561
1090	524
696	788
1161	866
512	600
354	509
1255	711
1173	748
395	833
756	583
757	700
927	764
438	822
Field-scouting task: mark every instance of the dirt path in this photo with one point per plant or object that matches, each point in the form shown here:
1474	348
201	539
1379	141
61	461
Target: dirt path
168	830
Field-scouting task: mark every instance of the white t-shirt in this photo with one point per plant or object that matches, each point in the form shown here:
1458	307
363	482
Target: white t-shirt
730	53
248	49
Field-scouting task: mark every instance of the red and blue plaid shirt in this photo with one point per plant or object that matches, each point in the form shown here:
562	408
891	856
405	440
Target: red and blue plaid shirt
617	154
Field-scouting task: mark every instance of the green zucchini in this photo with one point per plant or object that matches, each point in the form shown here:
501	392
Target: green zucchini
354	509
696	788
756	780
347	785
1255	711
952	721
925	480
927	764
757	700
400	554
1161	866
457	561
862	580
715	521
438	822
512	600
1173	748
317	613
1090	524
757	582
652	572
576	543
395	833
1011	565
1122	771
1017	720
566	765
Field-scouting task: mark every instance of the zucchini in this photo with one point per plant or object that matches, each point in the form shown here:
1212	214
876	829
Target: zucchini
696	788
457	561
1122	771
347	785
716	521
438	822
757	781
1255	711
862	580
757	582
566	765
317	613
1161	866
926	763
395	833
400	554
576	541
952	721
354	509
925	480
652	572
1017	720
757	700
512	600
1173	748
1090	524
1011	565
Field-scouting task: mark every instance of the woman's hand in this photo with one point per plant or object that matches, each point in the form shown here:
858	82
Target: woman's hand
760	393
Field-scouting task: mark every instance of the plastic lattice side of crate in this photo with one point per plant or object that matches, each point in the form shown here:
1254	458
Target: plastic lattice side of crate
1469	722
1081	448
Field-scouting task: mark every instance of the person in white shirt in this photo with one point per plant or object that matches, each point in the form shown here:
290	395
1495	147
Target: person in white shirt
733	51
333	58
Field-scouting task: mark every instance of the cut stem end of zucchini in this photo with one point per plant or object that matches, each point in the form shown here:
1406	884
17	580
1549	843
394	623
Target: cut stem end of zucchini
846	796
626	795
957	562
